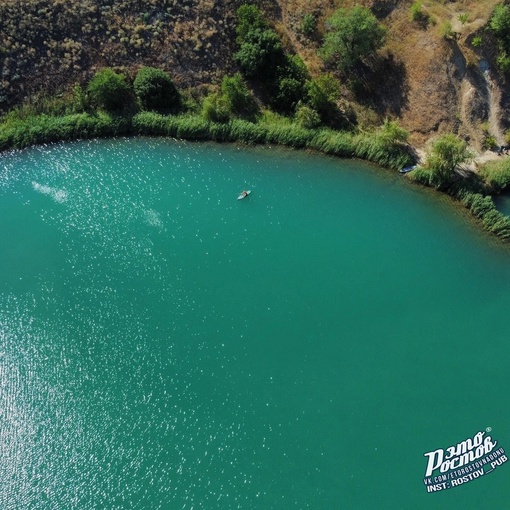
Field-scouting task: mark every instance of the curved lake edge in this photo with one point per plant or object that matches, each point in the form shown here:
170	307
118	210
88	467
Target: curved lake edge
43	129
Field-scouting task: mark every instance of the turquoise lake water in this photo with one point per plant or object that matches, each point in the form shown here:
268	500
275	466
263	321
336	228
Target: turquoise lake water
165	346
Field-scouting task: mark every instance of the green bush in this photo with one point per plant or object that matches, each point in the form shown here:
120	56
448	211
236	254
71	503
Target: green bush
496	175
489	142
322	94
447	30
155	90
109	90
500	24
287	95
80	100
444	154
215	108
307	117
503	60
237	96
391	133
463	17
308	24
249	18
417	13
477	41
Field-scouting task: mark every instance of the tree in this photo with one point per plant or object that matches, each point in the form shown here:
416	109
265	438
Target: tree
354	35
288	93
155	90
260	53
289	84
109	90
323	91
444	154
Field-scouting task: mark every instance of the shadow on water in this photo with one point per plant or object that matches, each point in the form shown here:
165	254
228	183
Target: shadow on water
502	203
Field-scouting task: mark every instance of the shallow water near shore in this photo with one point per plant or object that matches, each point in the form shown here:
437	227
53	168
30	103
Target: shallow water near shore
164	345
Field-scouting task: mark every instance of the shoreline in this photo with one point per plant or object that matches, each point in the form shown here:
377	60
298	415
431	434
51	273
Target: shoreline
41	129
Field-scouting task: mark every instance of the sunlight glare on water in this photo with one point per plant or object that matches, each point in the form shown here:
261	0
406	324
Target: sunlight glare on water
164	345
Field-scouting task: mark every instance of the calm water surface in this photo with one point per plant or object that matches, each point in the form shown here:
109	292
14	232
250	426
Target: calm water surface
165	346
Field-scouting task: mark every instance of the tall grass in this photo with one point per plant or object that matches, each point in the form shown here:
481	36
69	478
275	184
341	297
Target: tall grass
389	155
483	208
273	131
496	175
30	130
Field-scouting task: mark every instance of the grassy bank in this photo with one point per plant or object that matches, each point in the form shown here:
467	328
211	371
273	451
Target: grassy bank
475	193
21	132
17	132
281	132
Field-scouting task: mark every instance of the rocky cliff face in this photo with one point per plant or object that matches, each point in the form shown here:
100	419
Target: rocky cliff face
430	82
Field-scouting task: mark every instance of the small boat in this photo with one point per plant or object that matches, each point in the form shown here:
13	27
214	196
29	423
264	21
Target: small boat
243	194
407	169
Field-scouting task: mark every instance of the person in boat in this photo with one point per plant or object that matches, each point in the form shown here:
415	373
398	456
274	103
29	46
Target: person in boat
244	192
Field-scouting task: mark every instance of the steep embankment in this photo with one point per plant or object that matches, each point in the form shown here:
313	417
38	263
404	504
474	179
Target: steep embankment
429	75
47	44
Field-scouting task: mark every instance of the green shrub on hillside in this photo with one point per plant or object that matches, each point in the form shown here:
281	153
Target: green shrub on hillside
503	60
109	90
446	30
477	41
500	23
354	34
288	86
307	117
308	24
249	18
238	96
418	14
155	90
260	54
322	95
391	133
463	18
215	108
288	93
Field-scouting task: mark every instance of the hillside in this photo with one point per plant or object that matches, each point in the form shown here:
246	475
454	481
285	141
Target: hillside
429	75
